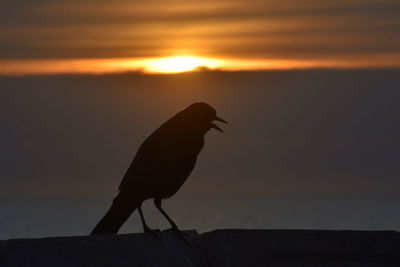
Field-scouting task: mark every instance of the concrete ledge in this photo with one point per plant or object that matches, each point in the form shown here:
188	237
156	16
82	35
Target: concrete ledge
104	250
217	248
301	248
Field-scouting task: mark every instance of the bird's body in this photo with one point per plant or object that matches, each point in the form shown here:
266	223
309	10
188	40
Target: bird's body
159	153
162	164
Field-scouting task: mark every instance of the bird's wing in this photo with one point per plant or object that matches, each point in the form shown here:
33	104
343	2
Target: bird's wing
164	160
161	157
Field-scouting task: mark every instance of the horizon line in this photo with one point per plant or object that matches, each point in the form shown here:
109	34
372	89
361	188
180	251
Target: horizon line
181	64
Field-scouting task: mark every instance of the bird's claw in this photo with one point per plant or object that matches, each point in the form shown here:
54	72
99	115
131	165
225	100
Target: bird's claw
182	235
156	233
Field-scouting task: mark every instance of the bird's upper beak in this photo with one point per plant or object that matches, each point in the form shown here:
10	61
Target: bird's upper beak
216	127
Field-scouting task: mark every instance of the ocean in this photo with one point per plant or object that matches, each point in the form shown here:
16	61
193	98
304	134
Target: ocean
33	218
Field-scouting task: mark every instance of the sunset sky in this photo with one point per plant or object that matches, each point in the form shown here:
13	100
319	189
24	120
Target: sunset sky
336	124
41	37
358	40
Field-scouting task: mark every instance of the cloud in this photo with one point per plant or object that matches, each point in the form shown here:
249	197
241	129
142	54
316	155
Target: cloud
234	29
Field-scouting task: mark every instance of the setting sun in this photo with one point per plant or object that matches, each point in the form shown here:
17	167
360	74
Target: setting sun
179	64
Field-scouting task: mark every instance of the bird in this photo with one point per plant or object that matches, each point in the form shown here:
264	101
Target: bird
161	166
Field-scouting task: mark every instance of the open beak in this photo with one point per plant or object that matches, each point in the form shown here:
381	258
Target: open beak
216	127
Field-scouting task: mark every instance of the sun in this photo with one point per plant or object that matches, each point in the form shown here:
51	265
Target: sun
179	64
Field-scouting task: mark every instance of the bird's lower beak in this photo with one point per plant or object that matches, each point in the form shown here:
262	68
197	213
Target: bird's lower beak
216	127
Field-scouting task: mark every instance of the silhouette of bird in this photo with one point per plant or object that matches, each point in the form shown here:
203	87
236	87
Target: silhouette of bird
161	165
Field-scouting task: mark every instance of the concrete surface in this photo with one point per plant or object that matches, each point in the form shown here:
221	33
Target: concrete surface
218	248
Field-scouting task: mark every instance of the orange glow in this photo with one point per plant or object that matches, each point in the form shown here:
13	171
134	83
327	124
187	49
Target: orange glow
179	36
177	64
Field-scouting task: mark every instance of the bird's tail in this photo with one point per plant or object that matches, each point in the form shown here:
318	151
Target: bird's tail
116	216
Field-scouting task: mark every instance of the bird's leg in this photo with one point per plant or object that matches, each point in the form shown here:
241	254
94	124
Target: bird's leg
147	229
157	203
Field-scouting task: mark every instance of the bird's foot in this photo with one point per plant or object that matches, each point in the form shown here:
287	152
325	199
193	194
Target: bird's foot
182	235
156	233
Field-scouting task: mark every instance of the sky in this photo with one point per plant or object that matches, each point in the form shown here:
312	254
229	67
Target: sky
310	89
53	37
290	133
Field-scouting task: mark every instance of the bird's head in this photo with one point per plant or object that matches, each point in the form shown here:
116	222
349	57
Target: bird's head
201	116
